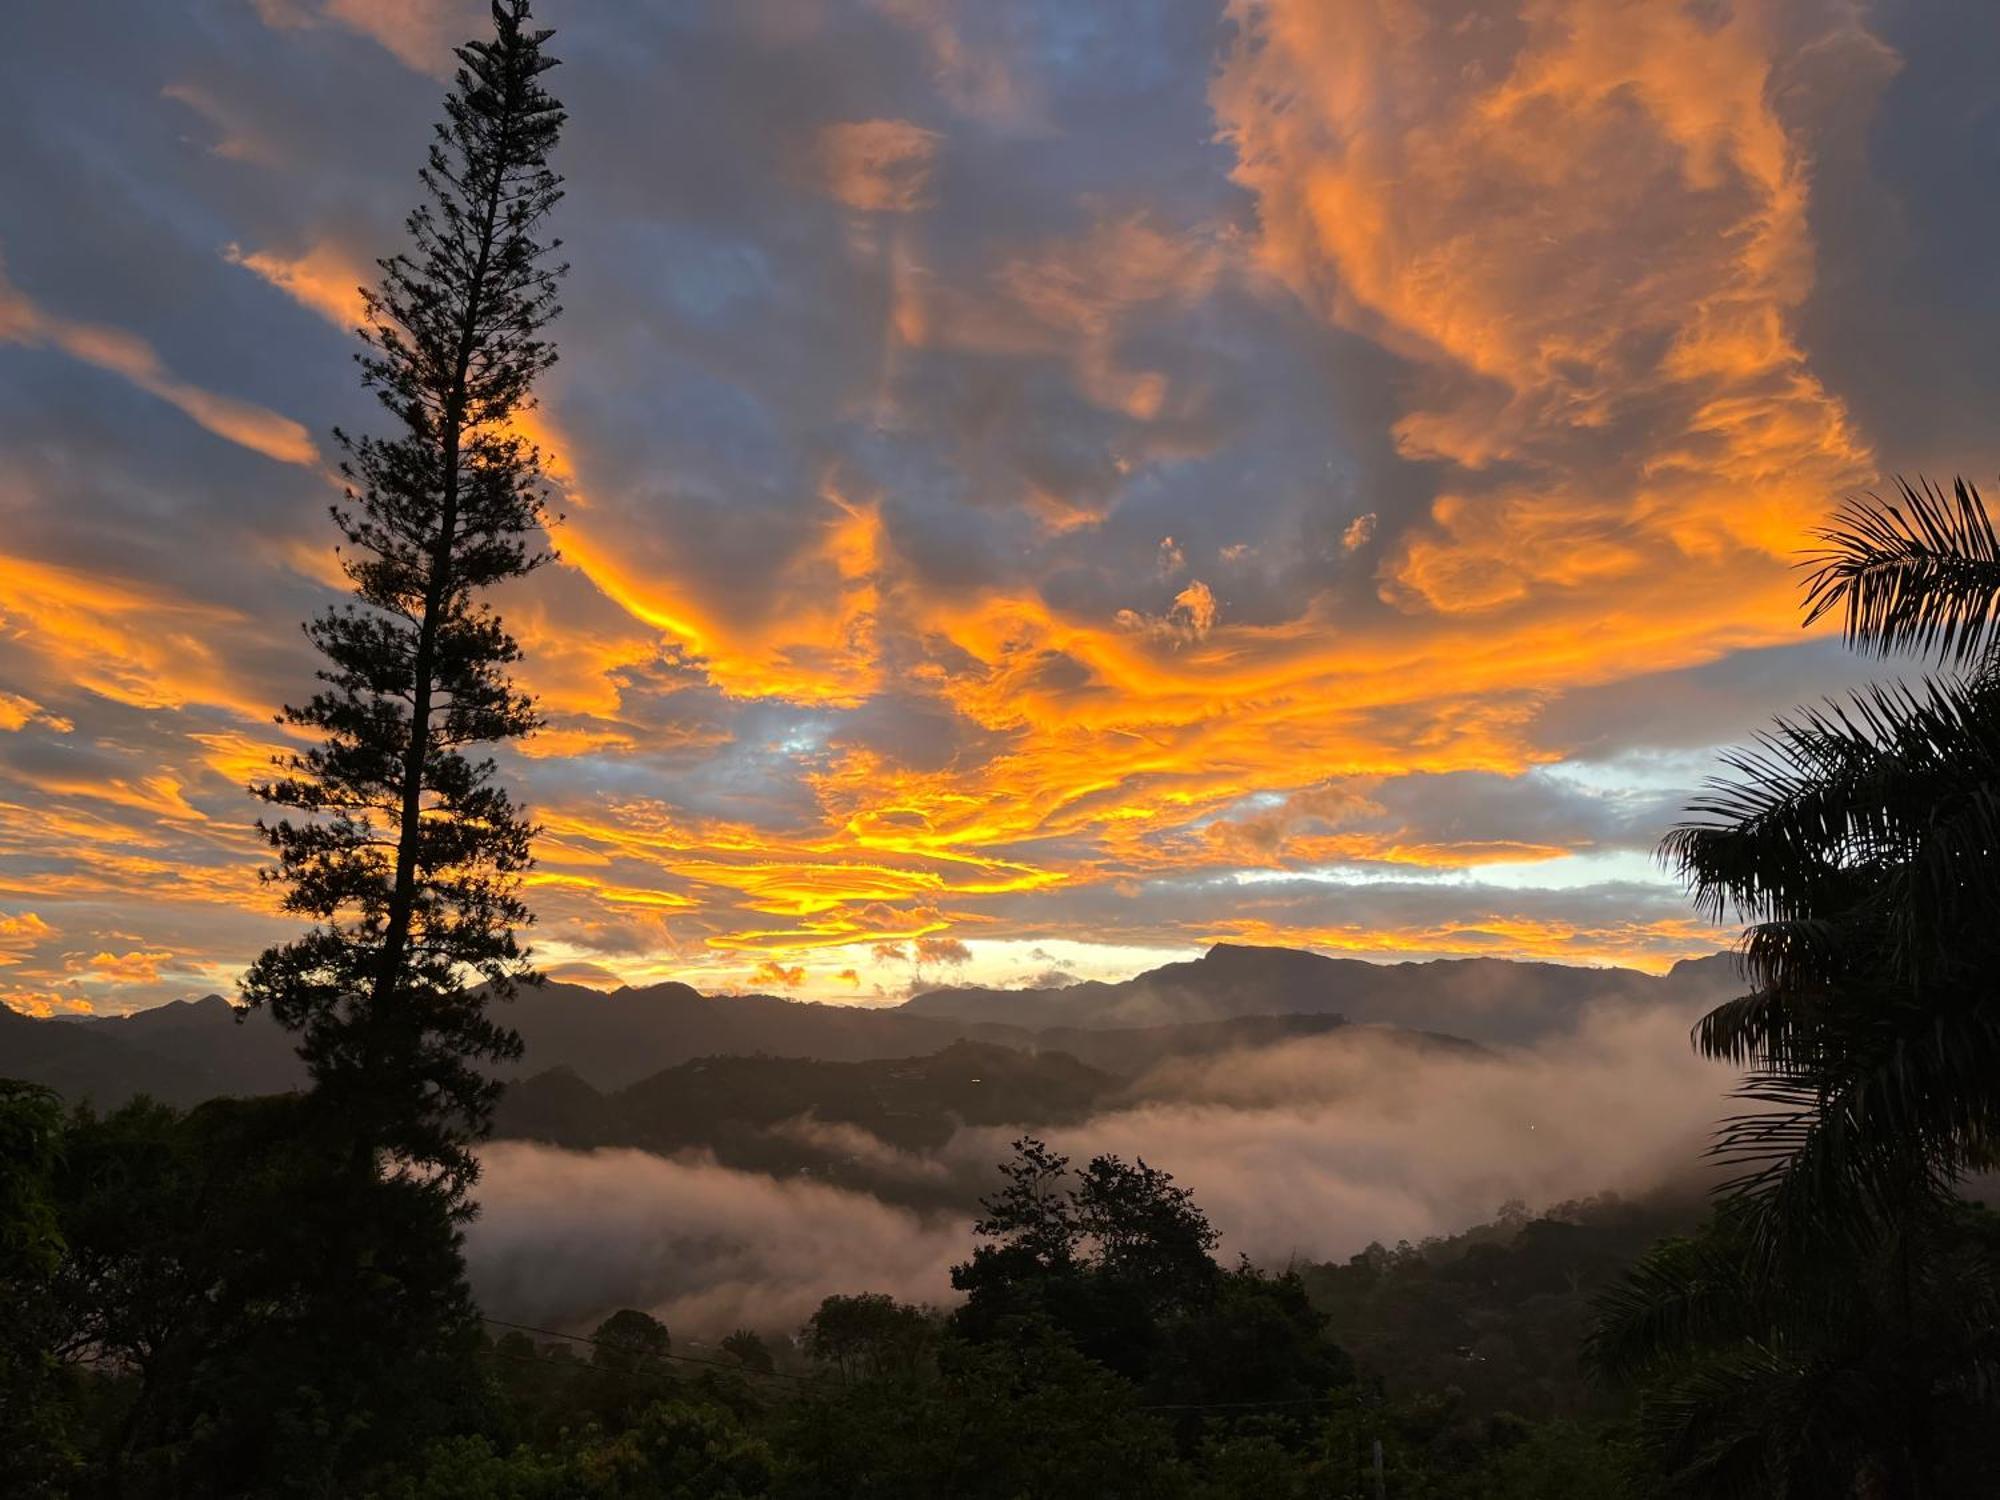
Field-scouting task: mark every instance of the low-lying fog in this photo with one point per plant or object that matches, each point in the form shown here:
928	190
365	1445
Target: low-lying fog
1309	1149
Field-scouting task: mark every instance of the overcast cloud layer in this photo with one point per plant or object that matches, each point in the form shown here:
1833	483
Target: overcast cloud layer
1050	482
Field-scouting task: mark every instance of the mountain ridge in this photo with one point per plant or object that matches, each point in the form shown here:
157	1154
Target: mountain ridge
1234	995
1509	1001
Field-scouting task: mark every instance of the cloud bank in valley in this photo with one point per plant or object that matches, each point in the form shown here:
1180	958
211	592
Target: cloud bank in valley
565	1236
1311	1149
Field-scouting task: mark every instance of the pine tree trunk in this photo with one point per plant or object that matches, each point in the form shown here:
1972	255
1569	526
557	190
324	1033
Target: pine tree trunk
442	509
402	898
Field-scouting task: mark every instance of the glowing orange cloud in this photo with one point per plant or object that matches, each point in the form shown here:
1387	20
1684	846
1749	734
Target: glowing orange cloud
322	279
130	642
123	354
1652	946
1589	247
18	711
21	935
141	966
45	1003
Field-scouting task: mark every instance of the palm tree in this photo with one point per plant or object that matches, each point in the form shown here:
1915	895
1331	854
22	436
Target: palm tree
1861	841
1836	1329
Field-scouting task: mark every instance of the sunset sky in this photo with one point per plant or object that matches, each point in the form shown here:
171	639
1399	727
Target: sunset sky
1049	485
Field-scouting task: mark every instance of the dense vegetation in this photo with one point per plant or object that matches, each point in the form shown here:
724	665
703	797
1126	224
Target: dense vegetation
213	1305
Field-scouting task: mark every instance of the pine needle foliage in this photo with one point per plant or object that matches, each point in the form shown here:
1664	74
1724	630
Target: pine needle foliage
397	840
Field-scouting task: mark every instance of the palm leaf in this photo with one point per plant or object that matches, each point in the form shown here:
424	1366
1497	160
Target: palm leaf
1919	573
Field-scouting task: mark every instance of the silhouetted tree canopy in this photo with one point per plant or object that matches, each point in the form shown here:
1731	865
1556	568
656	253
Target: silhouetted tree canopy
1117	1260
1836	1329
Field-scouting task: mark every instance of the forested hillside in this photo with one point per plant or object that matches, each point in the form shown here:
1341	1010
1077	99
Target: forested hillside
199	1263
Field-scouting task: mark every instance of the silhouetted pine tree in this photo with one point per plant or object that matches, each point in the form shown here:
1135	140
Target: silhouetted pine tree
408	856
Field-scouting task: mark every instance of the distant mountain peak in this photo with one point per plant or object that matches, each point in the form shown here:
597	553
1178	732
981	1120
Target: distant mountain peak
1269	954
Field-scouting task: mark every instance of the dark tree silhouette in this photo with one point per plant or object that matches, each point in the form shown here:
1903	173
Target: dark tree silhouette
1864	1372
1118	1261
748	1349
405	852
868	1335
33	1445
1862	841
631	1342
1837	1330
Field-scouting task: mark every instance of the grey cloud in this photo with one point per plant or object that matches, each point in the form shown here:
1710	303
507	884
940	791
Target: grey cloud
566	1237
1905	299
1723	702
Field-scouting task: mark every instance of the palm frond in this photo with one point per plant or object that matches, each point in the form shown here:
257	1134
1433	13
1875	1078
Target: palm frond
1872	1114
1728	1427
1684	1296
1919	573
1882	809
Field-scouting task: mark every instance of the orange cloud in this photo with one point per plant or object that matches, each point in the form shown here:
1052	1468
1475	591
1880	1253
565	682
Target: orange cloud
141	966
323	279
17	712
131	642
126	355
1190	619
590	975
21	935
772	972
1589	246
882	166
1651	946
45	1003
